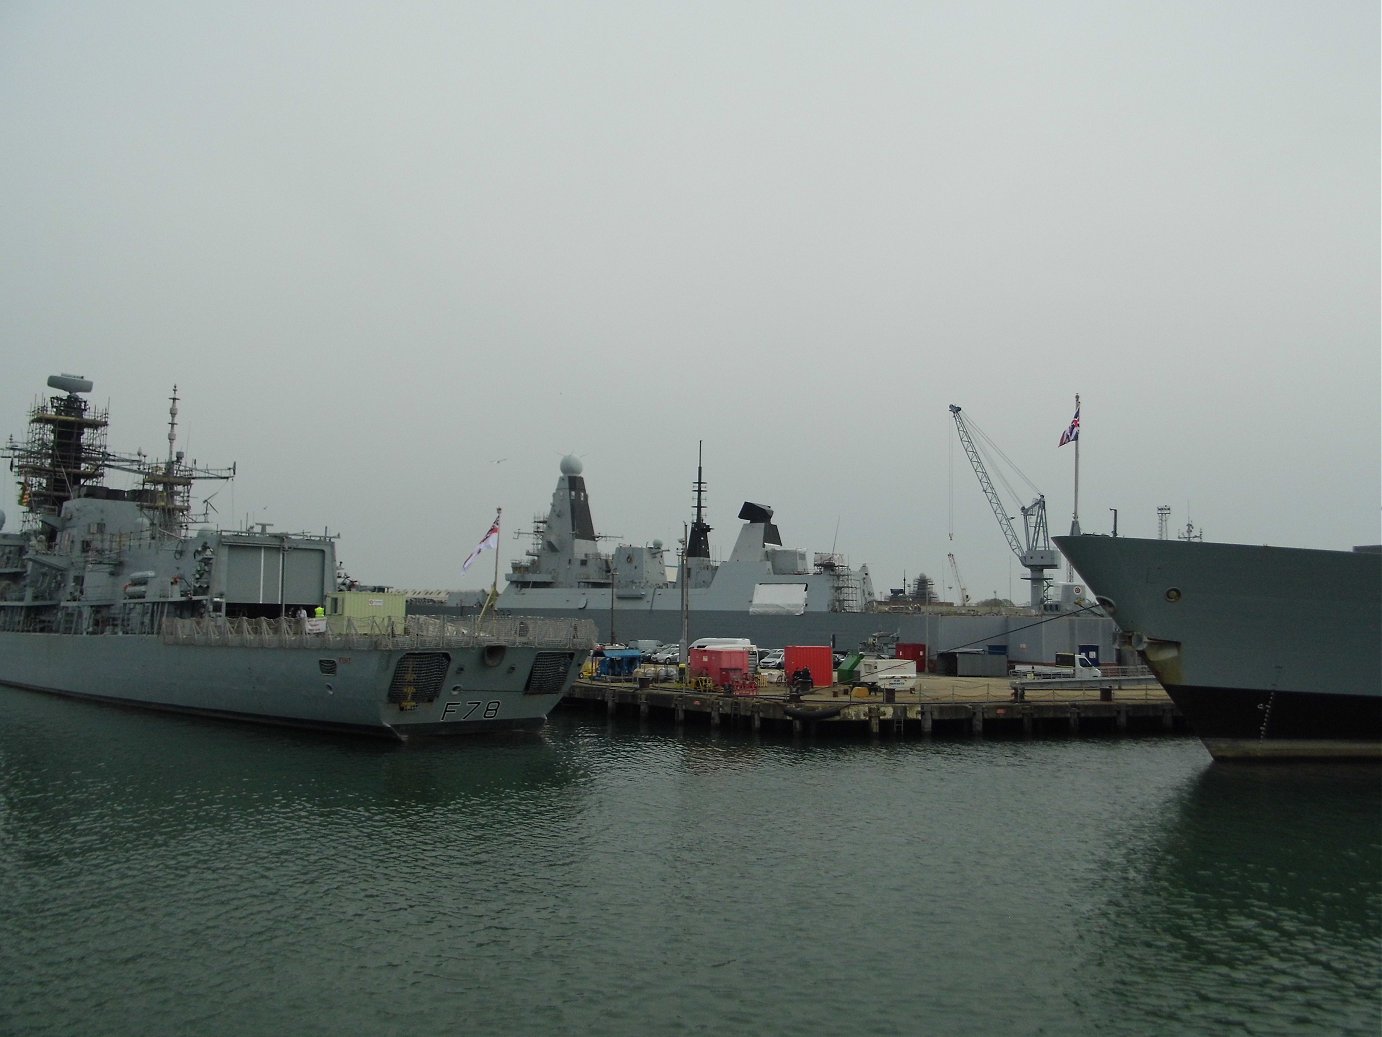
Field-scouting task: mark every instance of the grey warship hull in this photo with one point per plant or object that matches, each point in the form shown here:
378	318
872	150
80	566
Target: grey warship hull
115	594
1270	652
431	682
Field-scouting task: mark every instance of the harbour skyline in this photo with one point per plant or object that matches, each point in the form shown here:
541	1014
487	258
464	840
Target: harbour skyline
426	252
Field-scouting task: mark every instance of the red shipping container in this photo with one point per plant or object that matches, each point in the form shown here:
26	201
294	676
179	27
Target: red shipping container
722	665
914	650
819	659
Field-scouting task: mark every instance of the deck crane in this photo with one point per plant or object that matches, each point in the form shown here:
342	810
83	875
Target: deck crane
959	583
1037	556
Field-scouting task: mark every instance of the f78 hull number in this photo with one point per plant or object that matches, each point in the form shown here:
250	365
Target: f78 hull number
475	710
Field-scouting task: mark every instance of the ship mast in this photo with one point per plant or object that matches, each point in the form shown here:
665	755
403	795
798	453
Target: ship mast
170	484
166	493
698	541
66	452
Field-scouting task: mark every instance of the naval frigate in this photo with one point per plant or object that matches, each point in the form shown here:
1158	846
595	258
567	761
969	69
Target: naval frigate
117	595
764	591
1269	652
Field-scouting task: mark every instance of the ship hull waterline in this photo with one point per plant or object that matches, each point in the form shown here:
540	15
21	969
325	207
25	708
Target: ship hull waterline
1231	723
275	686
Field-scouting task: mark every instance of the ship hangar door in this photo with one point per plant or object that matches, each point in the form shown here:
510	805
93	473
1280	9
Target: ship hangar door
269	575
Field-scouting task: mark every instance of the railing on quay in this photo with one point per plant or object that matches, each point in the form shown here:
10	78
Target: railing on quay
1131	684
415	632
1109	679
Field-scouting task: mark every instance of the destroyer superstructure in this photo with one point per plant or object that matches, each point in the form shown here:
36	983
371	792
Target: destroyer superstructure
118	594
763	591
565	569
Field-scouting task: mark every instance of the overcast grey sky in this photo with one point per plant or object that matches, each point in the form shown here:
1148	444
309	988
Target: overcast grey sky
400	258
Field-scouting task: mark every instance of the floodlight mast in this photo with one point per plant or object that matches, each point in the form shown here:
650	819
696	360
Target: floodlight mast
1038	555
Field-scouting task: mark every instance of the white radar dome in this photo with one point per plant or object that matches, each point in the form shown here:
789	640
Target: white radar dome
571	465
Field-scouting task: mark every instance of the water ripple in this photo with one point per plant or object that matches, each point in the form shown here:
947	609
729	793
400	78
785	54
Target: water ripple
165	876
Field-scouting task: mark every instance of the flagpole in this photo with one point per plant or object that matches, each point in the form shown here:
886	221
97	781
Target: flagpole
493	594
1075	520
498	513
1075	515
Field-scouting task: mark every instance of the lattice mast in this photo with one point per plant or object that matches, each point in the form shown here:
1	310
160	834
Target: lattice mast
65	452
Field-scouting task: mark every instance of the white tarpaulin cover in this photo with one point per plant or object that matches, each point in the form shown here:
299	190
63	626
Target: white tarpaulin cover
778	599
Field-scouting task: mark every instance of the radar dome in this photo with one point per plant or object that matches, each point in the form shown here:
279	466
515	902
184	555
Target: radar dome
571	465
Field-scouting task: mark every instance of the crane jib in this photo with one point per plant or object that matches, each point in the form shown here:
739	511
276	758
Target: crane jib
1038	555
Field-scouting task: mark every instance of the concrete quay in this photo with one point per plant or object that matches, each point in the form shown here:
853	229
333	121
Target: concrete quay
940	706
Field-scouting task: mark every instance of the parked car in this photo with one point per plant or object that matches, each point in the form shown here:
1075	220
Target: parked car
771	660
667	655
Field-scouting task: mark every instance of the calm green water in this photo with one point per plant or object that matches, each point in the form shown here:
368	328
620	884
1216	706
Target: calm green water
166	876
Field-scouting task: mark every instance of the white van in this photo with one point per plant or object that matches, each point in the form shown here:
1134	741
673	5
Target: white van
729	642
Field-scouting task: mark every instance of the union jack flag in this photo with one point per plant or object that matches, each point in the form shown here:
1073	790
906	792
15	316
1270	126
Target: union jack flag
1073	432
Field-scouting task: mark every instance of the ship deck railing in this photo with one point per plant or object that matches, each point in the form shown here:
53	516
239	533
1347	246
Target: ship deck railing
414	633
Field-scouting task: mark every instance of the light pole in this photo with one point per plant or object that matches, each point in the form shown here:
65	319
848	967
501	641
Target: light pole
613	576
683	573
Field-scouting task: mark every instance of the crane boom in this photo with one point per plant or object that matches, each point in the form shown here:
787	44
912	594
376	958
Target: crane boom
955	568
985	483
1037	556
